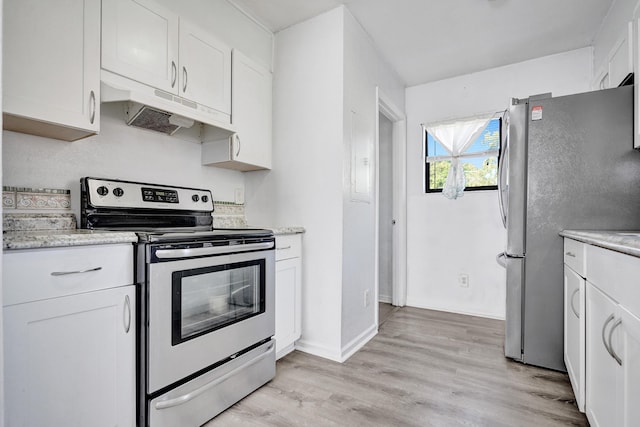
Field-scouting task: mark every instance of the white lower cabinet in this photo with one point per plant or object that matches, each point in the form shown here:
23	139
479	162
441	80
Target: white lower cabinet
603	376
288	293
69	358
574	336
630	356
610	317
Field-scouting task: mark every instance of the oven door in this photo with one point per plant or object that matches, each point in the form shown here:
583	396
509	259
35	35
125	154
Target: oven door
203	310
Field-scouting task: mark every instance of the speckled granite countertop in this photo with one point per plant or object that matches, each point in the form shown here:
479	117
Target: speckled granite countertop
30	231
58	238
626	242
282	230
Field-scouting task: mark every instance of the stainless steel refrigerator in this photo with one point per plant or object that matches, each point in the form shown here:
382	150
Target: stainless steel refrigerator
568	163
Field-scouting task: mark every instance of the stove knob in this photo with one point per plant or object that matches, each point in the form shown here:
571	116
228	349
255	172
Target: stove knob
118	192
195	198
102	190
205	198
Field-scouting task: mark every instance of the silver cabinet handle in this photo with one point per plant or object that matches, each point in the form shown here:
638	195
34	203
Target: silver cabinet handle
127	314
572	306
186	75
164	404
604	339
282	248
65	273
92	98
612	352
239	146
571	254
174	73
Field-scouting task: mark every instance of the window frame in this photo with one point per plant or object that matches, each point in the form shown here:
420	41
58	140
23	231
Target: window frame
427	188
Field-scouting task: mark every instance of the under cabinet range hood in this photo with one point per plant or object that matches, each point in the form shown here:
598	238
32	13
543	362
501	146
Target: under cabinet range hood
146	117
160	111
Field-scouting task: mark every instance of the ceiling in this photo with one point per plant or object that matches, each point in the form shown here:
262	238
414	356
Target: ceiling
428	40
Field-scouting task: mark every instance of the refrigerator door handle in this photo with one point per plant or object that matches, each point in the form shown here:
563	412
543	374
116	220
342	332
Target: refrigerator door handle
501	167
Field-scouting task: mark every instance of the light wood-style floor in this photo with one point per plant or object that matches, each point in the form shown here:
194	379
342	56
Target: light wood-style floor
424	368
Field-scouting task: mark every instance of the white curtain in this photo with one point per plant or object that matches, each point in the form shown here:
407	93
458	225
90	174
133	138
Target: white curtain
456	137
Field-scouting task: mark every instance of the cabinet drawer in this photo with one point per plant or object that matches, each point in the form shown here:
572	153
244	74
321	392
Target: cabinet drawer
28	275
574	255
288	246
616	274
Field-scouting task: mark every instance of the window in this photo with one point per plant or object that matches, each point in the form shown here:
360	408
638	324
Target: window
479	161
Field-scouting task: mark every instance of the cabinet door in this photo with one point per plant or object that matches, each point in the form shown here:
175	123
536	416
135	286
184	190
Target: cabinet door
205	68
51	66
603	403
621	57
140	41
288	302
630	356
574	350
70	361
251	112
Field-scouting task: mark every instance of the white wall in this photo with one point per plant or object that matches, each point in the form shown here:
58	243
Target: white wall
612	28
326	69
119	151
446	238
304	186
364	70
1	290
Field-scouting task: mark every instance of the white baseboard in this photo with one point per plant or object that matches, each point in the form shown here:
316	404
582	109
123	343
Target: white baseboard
338	355
318	350
422	304
284	351
385	298
358	342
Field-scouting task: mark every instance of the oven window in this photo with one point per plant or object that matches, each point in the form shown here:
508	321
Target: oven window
210	298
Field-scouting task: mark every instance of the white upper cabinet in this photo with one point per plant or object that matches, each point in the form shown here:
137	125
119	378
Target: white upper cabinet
205	68
251	111
250	147
51	67
619	63
140	41
148	43
621	57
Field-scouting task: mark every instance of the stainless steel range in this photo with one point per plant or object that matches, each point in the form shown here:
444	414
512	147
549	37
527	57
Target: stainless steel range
205	303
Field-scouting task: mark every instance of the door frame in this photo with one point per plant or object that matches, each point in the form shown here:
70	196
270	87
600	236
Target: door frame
387	108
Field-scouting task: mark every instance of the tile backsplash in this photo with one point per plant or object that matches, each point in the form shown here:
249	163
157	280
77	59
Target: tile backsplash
35	198
228	215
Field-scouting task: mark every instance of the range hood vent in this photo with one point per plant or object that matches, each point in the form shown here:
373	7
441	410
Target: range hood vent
146	117
160	111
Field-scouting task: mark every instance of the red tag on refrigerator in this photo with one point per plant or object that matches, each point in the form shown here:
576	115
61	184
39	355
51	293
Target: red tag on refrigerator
536	112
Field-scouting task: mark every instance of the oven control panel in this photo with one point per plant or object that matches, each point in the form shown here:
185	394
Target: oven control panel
105	193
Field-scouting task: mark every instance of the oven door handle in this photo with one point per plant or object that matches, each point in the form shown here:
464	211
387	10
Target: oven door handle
169	403
213	250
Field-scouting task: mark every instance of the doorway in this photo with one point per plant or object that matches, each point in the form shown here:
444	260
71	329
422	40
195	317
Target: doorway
385	211
390	207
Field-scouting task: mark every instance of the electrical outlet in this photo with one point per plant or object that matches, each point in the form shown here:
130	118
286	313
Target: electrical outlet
463	280
366	298
239	196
